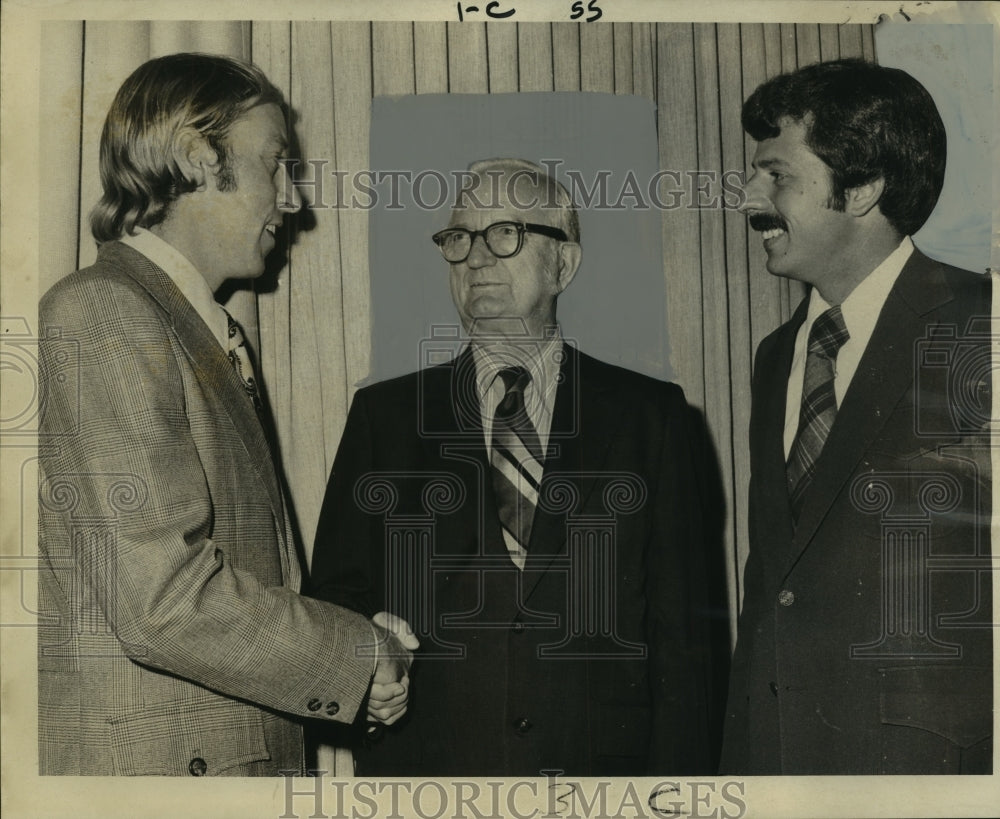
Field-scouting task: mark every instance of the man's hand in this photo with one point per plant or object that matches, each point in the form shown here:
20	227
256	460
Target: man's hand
399	627
391	683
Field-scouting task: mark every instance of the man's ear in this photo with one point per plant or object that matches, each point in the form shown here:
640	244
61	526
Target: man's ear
570	254
860	200
195	158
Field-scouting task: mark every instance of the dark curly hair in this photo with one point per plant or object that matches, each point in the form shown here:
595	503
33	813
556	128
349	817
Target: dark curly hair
865	122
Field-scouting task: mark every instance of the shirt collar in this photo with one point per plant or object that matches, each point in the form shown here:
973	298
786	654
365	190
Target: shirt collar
863	304
185	276
541	357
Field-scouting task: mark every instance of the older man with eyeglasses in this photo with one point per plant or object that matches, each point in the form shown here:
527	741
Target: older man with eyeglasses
535	515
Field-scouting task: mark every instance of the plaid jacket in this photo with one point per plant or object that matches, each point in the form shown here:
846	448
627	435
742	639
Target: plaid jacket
172	638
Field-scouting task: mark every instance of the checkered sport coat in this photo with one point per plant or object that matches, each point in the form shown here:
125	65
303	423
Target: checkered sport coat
172	639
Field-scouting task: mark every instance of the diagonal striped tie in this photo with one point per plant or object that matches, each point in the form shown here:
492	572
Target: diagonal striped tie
819	404
517	463
239	357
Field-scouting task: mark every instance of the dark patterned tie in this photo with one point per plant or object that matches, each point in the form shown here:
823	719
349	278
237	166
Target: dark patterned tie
516	460
239	357
819	404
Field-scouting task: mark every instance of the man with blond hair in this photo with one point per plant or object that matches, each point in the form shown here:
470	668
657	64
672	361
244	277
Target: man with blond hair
172	637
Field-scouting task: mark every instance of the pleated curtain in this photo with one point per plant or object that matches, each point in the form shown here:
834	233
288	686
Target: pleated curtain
312	330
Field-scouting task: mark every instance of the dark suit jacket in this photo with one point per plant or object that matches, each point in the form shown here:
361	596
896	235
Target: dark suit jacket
593	660
864	643
171	637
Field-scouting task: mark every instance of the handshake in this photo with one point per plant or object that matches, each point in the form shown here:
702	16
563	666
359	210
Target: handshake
390	687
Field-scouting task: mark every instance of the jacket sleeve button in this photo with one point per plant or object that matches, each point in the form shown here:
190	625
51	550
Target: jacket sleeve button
332	708
314	705
198	766
522	725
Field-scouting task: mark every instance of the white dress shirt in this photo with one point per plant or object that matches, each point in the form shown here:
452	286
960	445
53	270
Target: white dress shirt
861	310
543	362
187	278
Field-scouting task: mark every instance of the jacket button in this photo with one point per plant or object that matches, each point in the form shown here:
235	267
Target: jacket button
518	627
785	597
198	766
332	708
774	688
314	705
522	725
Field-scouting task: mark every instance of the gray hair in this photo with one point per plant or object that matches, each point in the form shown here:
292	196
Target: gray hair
556	194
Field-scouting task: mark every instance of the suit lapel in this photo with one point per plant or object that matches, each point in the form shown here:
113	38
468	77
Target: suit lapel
449	401
584	407
884	374
769	477
209	362
584	422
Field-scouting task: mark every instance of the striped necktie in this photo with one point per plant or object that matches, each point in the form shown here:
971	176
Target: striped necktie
819	404
517	463
239	357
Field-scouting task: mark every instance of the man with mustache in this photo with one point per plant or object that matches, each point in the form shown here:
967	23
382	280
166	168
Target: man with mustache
864	641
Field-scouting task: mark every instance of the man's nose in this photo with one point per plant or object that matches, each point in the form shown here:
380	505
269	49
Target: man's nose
288	197
479	254
754	198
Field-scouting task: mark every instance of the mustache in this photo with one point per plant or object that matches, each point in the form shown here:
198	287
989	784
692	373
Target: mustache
767	221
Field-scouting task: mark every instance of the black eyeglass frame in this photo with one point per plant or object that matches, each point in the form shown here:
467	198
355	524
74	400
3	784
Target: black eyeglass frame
521	227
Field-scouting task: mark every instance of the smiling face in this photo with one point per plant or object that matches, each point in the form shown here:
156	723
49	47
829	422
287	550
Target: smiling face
788	199
243	206
496	295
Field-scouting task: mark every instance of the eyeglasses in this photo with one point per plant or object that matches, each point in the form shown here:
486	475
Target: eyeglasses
503	239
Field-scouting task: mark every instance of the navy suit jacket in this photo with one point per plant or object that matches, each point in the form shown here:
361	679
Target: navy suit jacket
864	642
593	660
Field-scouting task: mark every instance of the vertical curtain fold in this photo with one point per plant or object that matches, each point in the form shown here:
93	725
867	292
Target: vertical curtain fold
565	56
61	99
312	322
